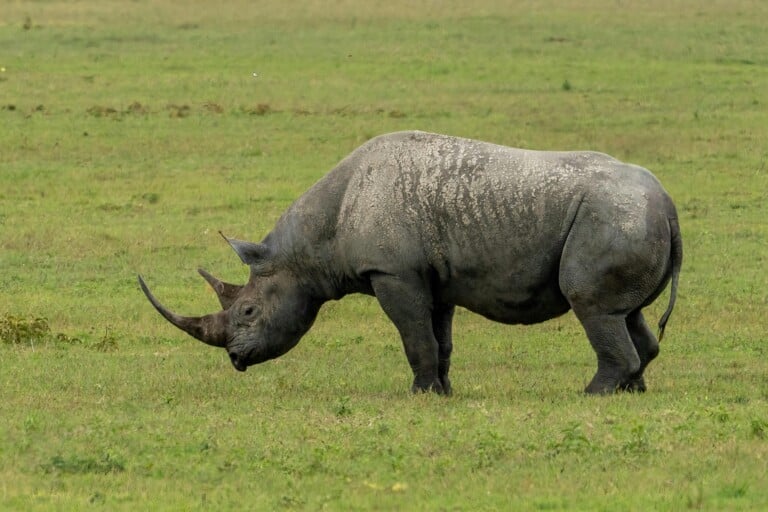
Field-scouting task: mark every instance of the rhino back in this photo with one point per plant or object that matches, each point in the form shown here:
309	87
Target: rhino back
487	223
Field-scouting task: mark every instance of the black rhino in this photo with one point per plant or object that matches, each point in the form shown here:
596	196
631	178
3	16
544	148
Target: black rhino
427	222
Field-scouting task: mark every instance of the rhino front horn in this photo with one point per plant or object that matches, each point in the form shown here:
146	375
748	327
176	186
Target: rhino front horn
210	329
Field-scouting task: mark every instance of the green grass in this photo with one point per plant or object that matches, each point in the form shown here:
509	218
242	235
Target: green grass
131	132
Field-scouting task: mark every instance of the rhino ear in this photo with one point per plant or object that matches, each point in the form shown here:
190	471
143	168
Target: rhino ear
249	252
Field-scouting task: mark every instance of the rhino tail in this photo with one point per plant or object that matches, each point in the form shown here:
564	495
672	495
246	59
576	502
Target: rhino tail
676	258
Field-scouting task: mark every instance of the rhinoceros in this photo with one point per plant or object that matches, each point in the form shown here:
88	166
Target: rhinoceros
427	222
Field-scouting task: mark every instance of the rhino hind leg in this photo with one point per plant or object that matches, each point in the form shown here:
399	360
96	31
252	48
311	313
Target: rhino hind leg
408	304
617	359
647	347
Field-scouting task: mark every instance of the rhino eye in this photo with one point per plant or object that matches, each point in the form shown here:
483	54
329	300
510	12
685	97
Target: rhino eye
248	311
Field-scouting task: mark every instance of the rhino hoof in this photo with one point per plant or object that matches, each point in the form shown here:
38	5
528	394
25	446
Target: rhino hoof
636	385
435	386
446	383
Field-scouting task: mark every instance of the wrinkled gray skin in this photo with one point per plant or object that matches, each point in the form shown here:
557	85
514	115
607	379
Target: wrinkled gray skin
427	222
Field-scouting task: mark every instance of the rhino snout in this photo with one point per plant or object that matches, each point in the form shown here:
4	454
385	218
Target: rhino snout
238	361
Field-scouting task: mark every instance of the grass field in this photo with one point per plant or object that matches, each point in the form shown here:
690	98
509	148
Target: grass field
132	132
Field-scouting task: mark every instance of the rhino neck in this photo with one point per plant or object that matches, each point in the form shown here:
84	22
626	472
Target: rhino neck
304	239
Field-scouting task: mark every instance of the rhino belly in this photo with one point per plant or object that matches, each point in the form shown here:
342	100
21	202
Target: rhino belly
509	301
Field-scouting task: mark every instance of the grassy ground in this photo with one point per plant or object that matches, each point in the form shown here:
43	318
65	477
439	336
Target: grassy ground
131	132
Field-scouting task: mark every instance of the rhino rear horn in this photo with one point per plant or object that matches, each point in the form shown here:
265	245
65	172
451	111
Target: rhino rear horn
210	329
226	292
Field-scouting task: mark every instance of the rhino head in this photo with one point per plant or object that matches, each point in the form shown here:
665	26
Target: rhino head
259	321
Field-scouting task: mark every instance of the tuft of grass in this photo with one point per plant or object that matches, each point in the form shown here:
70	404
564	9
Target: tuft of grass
758	428
76	465
572	440
32	332
16	330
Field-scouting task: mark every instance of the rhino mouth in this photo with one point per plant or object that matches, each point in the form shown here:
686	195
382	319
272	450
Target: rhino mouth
238	362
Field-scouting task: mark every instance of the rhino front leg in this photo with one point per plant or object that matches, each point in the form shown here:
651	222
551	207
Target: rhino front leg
408	303
617	358
442	320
